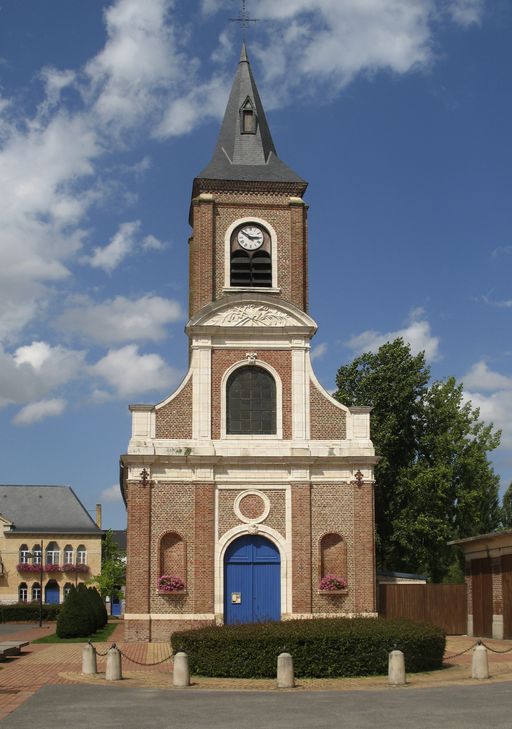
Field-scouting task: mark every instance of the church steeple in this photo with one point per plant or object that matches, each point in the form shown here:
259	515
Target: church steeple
245	150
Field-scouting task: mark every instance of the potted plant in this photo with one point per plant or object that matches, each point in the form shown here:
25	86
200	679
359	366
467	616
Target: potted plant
52	568
171	585
24	567
333	584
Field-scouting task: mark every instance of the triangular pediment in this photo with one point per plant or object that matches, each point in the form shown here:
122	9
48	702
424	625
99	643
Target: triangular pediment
244	311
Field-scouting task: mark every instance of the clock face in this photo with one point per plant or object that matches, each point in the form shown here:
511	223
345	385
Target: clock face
250	237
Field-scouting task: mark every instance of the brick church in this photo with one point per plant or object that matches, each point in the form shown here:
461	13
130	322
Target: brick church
249	483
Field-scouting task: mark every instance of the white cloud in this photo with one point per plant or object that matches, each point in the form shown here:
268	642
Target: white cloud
130	373
466	12
120	246
319	350
113	494
121	319
151	243
417	333
35	370
37	411
491	392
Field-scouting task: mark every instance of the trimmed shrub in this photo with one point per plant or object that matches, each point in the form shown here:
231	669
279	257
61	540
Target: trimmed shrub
99	607
75	620
88	601
321	648
27	611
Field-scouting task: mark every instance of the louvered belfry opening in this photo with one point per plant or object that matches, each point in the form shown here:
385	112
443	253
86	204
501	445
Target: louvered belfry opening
251	268
251	402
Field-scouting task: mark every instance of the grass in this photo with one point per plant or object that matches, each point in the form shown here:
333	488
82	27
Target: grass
99	637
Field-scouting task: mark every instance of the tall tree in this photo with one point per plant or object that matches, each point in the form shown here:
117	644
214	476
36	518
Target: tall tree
113	568
506	512
434	481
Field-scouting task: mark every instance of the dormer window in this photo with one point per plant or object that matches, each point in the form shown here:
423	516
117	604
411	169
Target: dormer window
248	117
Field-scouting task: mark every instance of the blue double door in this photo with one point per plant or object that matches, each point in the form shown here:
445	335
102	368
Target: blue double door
252	581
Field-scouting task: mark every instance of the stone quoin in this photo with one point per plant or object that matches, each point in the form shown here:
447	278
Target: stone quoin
250	482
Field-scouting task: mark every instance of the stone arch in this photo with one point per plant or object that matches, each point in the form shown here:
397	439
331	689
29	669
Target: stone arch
173	555
332	555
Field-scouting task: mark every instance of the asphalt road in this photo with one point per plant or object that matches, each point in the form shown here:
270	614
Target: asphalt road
109	707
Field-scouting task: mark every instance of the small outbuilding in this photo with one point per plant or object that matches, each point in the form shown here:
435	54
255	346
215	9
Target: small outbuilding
488	574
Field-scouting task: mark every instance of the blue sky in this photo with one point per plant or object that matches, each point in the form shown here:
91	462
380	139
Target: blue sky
398	114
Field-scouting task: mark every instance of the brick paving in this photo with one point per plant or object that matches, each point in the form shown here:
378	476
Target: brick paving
56	663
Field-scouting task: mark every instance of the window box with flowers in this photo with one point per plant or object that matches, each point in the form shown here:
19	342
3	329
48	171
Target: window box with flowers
171	585
28	568
81	568
52	568
332	585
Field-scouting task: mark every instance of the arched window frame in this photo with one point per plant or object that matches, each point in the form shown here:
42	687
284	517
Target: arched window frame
181	570
278	435
23	592
53	554
36	591
68	554
36	551
81	554
341	569
24	557
66	589
273	256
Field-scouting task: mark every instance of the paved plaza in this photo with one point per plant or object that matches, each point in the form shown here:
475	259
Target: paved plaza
43	687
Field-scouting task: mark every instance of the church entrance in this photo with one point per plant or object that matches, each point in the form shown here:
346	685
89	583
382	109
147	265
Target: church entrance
252	581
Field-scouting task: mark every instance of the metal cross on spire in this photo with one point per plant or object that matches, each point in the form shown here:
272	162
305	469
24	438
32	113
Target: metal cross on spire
244	19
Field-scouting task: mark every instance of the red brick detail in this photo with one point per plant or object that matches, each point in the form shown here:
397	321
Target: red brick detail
173	555
333	555
252	506
364	548
301	548
327	421
137	631
204	566
280	360
202	262
299	256
161	630
228	519
174	420
138	548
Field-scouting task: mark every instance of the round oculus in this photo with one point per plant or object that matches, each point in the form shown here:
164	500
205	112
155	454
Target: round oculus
250	237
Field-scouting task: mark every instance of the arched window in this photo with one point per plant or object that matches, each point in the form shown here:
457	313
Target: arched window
67	589
68	554
36	551
36	591
52	553
251	402
23	592
173	556
333	555
250	256
24	554
81	555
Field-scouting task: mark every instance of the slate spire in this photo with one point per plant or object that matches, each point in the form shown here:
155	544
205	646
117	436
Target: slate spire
245	149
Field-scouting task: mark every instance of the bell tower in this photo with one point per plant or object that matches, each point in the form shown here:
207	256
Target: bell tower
249	483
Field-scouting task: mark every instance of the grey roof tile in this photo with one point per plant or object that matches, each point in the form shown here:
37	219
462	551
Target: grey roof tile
45	509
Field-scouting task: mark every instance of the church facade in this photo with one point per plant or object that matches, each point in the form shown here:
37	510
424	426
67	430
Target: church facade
249	483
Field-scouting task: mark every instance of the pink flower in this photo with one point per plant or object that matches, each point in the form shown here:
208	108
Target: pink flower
28	567
331	582
170	583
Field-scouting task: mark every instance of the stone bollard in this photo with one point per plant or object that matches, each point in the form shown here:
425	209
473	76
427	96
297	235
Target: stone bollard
89	665
113	672
180	671
285	678
396	668
480	665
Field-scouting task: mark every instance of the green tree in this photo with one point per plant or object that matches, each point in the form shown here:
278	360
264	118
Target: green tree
434	481
113	568
74	620
506	511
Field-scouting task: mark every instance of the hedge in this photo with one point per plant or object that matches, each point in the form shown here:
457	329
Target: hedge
321	648
27	612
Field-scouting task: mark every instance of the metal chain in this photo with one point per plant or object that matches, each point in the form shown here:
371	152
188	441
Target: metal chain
140	663
493	650
456	655
98	653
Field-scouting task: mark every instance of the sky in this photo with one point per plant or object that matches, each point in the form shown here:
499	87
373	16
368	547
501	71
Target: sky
397	112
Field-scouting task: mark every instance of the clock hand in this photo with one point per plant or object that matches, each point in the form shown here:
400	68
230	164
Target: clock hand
252	237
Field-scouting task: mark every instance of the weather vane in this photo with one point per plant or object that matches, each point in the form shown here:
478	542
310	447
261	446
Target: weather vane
244	19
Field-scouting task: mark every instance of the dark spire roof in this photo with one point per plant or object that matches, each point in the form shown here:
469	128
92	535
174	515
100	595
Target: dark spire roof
249	157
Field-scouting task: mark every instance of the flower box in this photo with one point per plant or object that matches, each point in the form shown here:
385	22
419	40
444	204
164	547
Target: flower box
75	568
172	593
332	583
344	591
29	568
171	585
52	568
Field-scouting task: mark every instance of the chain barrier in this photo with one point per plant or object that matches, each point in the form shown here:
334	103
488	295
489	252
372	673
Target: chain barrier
493	650
478	642
128	658
456	655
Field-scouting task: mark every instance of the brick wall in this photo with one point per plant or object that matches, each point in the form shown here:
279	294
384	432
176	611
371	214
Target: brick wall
138	555
228	519
174	420
211	220
301	548
327	421
204	526
497	586
281	361
364	551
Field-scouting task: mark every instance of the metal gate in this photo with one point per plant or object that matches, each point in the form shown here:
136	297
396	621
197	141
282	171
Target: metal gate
252	577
